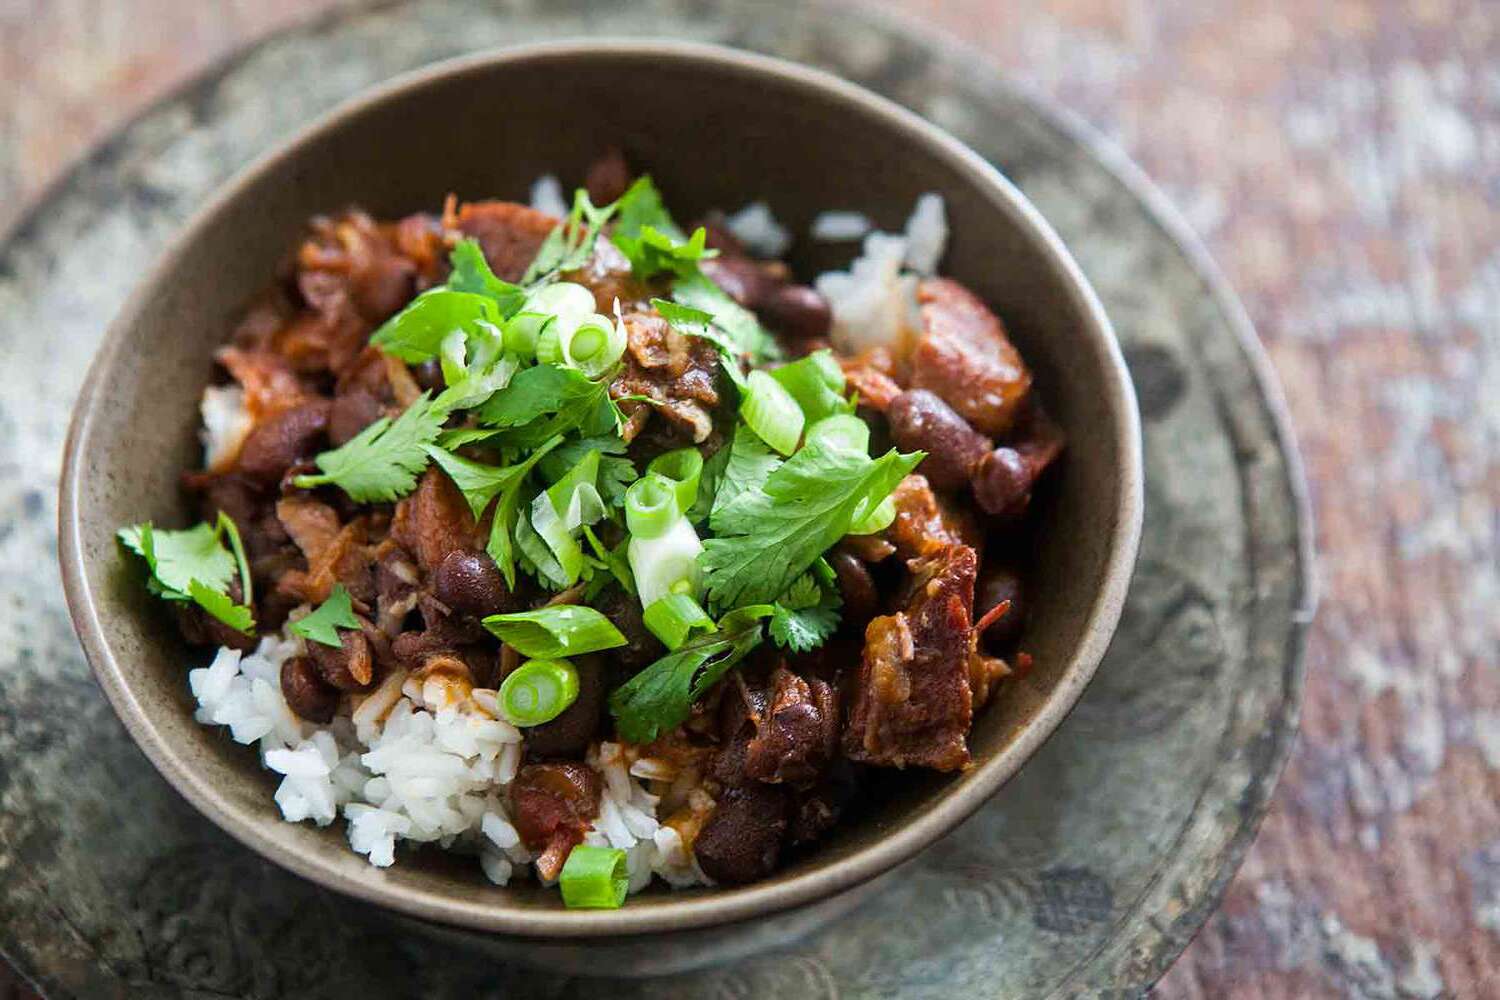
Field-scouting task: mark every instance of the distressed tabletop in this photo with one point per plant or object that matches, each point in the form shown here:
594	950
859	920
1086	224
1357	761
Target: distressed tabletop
1342	162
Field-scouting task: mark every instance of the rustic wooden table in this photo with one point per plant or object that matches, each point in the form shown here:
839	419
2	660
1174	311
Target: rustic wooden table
1342	161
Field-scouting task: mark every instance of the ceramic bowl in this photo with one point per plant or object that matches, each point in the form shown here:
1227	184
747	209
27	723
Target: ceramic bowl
716	128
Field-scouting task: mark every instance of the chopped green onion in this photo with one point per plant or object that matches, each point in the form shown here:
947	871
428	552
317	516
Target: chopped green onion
842	430
877	520
524	329
594	878
816	382
676	618
556	630
666	563
538	691
592	346
684	468
771	412
651	506
568	301
451	354
564	507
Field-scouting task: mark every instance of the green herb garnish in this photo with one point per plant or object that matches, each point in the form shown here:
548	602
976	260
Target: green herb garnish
381	462
322	625
194	565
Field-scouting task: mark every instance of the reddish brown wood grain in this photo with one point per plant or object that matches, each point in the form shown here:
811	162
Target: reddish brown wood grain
1342	161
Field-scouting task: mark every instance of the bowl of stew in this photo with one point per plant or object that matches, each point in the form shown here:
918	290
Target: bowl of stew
596	490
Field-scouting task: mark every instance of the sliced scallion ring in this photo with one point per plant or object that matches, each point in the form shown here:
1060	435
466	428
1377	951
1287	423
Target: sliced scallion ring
651	506
816	382
538	691
676	618
771	412
684	467
524	329
594	878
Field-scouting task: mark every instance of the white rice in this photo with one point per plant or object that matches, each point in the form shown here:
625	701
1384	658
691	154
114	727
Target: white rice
874	302
403	768
840	227
547	196
758	230
226	421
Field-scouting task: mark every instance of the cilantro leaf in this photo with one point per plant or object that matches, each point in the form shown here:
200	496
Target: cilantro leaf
641	205
739	324
572	399
381	462
616	472
661	696
804	507
708	483
177	558
416	333
652	252
471	273
333	614
222	607
570	244
807	614
698	323
749	464
193	565
480	484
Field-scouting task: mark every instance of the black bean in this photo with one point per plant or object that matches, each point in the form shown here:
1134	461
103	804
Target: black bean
469	582
797	311
920	420
349	666
741	840
305	691
998	584
856	587
570	734
279	441
1003	481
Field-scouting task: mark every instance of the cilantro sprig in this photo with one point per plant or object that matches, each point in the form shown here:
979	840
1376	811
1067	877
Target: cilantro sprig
804	506
662	695
322	625
807	614
381	462
193	565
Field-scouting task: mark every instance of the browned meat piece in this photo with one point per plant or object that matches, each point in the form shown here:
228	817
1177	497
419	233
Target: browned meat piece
920	421
676	372
798	733
742	708
270	384
964	356
923	525
570	734
334	553
741	840
419	238
434	521
282	440
351	666
351	268
871	375
469	582
305	691
510	234
552	805
1004	478
870	549
396	580
985	675
911	703
607	177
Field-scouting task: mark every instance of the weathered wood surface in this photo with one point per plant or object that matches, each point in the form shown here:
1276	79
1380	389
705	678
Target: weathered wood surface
1342	162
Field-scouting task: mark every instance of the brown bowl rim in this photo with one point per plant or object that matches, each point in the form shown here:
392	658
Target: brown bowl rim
688	912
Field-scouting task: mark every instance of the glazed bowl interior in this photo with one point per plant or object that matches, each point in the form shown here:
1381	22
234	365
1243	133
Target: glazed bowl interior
715	129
